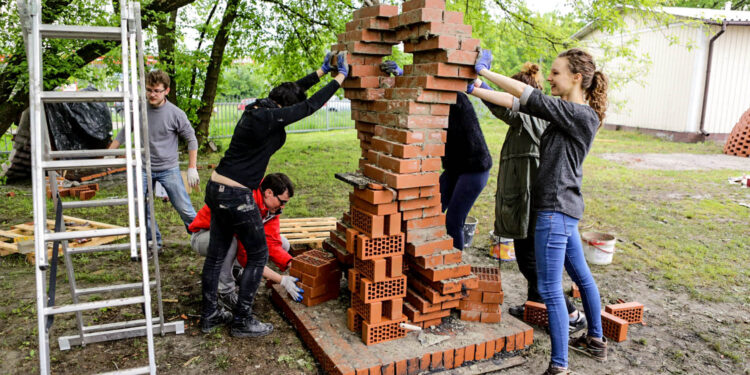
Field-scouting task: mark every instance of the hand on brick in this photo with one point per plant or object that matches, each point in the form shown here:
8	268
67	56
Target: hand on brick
484	61
326	67
391	67
288	282
192	177
341	64
470	88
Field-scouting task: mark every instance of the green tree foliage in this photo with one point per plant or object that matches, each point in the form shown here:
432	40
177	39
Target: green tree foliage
713	4
243	80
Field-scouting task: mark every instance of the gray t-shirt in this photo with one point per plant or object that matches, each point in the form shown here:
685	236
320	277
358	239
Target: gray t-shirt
165	123
564	145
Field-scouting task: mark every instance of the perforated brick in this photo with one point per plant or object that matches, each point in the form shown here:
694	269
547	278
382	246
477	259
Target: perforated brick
369	224
353	278
632	312
379	247
535	313
384	331
371	291
353	320
313	266
614	328
370	312
738	143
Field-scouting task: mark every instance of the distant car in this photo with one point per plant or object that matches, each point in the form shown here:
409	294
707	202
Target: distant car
244	103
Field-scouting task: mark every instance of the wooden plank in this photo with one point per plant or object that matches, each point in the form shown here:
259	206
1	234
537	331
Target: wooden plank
10	234
323	235
308	229
95	224
307	219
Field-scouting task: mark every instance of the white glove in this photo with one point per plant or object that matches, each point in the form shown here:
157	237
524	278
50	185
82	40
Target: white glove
192	177
288	282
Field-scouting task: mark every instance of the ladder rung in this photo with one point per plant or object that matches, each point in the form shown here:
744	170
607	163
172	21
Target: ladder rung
81	96
63	236
80	32
100	248
119	330
95	203
112	288
119	326
87	153
129	371
86	306
83	163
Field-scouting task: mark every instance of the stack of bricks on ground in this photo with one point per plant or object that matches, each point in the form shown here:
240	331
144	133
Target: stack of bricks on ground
319	276
615	318
401	124
738	143
82	192
483	304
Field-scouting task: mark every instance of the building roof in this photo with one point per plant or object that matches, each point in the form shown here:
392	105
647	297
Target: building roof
737	17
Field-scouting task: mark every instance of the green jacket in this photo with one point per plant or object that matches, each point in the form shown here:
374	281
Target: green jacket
519	161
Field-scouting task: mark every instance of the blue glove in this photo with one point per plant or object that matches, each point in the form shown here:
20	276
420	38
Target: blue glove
484	60
470	87
485	86
326	67
391	67
289	283
342	64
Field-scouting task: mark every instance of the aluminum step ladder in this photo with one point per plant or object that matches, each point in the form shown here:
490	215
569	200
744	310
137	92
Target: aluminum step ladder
134	157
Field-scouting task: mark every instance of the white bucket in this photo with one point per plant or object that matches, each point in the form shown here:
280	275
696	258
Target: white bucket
470	228
598	248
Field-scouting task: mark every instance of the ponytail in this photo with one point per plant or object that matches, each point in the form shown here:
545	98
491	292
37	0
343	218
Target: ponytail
596	95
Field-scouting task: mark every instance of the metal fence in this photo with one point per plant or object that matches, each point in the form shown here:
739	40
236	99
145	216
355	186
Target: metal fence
6	140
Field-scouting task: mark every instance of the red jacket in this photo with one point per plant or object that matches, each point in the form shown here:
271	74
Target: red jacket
277	254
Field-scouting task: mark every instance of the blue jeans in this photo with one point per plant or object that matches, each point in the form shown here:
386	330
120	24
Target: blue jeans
458	192
558	244
171	180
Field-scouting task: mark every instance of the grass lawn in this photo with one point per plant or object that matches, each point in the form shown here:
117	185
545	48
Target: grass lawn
684	231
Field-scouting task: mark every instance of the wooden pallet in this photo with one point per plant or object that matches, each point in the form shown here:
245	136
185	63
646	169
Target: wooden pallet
312	230
19	239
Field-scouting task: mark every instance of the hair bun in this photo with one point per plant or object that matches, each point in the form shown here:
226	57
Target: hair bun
530	68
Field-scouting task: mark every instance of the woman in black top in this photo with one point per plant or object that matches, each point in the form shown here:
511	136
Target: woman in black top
229	193
556	192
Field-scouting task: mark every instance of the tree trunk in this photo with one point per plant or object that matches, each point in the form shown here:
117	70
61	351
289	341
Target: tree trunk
12	103
166	30
213	71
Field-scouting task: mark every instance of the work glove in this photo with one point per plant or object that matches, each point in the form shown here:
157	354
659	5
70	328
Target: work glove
484	60
470	88
192	177
326	67
288	282
391	67
342	64
481	84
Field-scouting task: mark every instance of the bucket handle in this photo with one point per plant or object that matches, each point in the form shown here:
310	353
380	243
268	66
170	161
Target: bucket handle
600	249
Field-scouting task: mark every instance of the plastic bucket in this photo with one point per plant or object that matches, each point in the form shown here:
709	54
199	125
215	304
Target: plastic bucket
502	248
470	227
598	248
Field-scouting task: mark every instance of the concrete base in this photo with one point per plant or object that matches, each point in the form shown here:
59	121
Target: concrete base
464	344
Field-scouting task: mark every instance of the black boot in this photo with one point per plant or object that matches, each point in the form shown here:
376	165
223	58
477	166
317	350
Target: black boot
245	324
219	317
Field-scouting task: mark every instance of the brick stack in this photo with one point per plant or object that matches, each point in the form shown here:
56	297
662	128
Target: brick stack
401	125
738	143
82	192
483	304
319	276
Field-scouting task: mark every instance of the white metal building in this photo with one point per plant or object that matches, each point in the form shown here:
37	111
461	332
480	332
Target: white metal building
694	89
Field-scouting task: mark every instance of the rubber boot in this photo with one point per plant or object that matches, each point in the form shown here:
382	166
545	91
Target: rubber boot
245	324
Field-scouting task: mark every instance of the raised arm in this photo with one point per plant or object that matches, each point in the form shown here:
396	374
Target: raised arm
510	85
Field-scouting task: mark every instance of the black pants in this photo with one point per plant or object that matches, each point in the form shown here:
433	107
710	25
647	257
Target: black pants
233	212
527	265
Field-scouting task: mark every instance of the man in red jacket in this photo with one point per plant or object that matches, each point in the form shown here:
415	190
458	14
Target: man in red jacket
270	205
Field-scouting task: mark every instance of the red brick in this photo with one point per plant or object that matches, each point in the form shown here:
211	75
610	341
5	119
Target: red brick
535	313
414	204
470	44
421	304
428	191
471	316
411	193
480	352
401	367
431	29
437	361
451	286
307	301
490	317
489	348
373	269
375	209
314	266
448	358
432	83
528	337
451	56
354	59
365	71
420	95
492	297
412	366
424	363
424	223
338	238
315	281
453	256
500	344
367	223
473	296
393	224
384	331
510	343
393	309
395	164
353	278
379	247
401	181
384	290
361	83
489	278
86	195
395	266
453	17
364	94
450	305
519	340
478	306
387	369
414	121
369	312
413	214
415	316
443	272
376	370
353	320
632	312
376	11
401	135
428	261
430	293
320	290
351	240
421	15
414	4
438	42
429	247
459	357
615	329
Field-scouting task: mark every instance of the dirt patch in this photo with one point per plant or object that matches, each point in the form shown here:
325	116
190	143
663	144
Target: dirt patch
679	162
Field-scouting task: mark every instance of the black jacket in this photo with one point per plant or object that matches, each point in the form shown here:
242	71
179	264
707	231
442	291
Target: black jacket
465	149
260	133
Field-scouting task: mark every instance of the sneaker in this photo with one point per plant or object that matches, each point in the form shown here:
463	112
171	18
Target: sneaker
219	317
577	324
555	370
228	300
591	347
516	311
250	327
